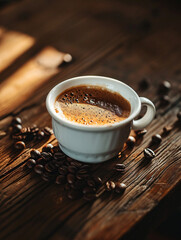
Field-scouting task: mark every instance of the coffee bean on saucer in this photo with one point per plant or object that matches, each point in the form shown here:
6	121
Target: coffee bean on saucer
31	163
39	168
164	87
120	187
17	128
16	120
119	167
156	139
35	154
144	84
48	131
179	116
20	145
141	133
149	154
40	135
131	141
164	100
110	185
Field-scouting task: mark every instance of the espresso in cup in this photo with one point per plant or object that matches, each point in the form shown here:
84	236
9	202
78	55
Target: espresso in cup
92	105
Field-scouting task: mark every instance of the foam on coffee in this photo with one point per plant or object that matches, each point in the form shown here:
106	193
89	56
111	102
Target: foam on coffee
92	105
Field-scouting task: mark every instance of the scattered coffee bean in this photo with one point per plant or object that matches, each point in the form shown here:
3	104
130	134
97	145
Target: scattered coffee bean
16	120
179	116
40	135
39	169
167	129
110	185
70	178
89	196
35	154
119	167
131	141
58	156
164	100
17	128
47	148
31	163
164	87
72	169
55	149
120	187
48	131
49	167
156	139
63	170
149	154
60	179
144	84
141	133
46	156
20	145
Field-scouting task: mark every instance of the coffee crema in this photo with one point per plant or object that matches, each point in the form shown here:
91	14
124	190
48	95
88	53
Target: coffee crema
92	105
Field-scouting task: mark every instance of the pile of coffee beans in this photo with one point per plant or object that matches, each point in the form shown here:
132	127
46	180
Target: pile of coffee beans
21	135
52	165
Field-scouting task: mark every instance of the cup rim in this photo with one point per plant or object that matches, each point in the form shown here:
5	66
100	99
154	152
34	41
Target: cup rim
51	110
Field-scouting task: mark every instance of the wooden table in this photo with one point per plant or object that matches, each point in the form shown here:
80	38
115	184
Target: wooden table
125	40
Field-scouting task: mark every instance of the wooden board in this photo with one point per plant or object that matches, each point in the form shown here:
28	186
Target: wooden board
121	39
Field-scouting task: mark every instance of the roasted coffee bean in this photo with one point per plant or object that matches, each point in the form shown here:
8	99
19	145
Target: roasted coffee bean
58	156
31	163
76	164
48	131
35	154
82	171
47	148
17	128
120	187
164	100
17	137
60	179
49	167
72	169
88	190
98	181
110	185
85	168
69	159
57	163
70	178
20	145
149	154
164	87
119	167
39	168
16	120
167	129
45	178
55	149
144	84
34	129
131	141
63	170
156	139
72	194
67	186
47	156
141	133
41	161
91	183
24	130
40	135
179	116
2	133
89	196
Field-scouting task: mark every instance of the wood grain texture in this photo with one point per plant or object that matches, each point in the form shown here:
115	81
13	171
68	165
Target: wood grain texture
122	39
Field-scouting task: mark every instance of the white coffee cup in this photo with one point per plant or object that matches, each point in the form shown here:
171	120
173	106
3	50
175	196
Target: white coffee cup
94	144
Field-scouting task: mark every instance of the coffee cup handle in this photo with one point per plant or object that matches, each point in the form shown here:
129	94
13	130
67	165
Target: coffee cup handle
147	118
